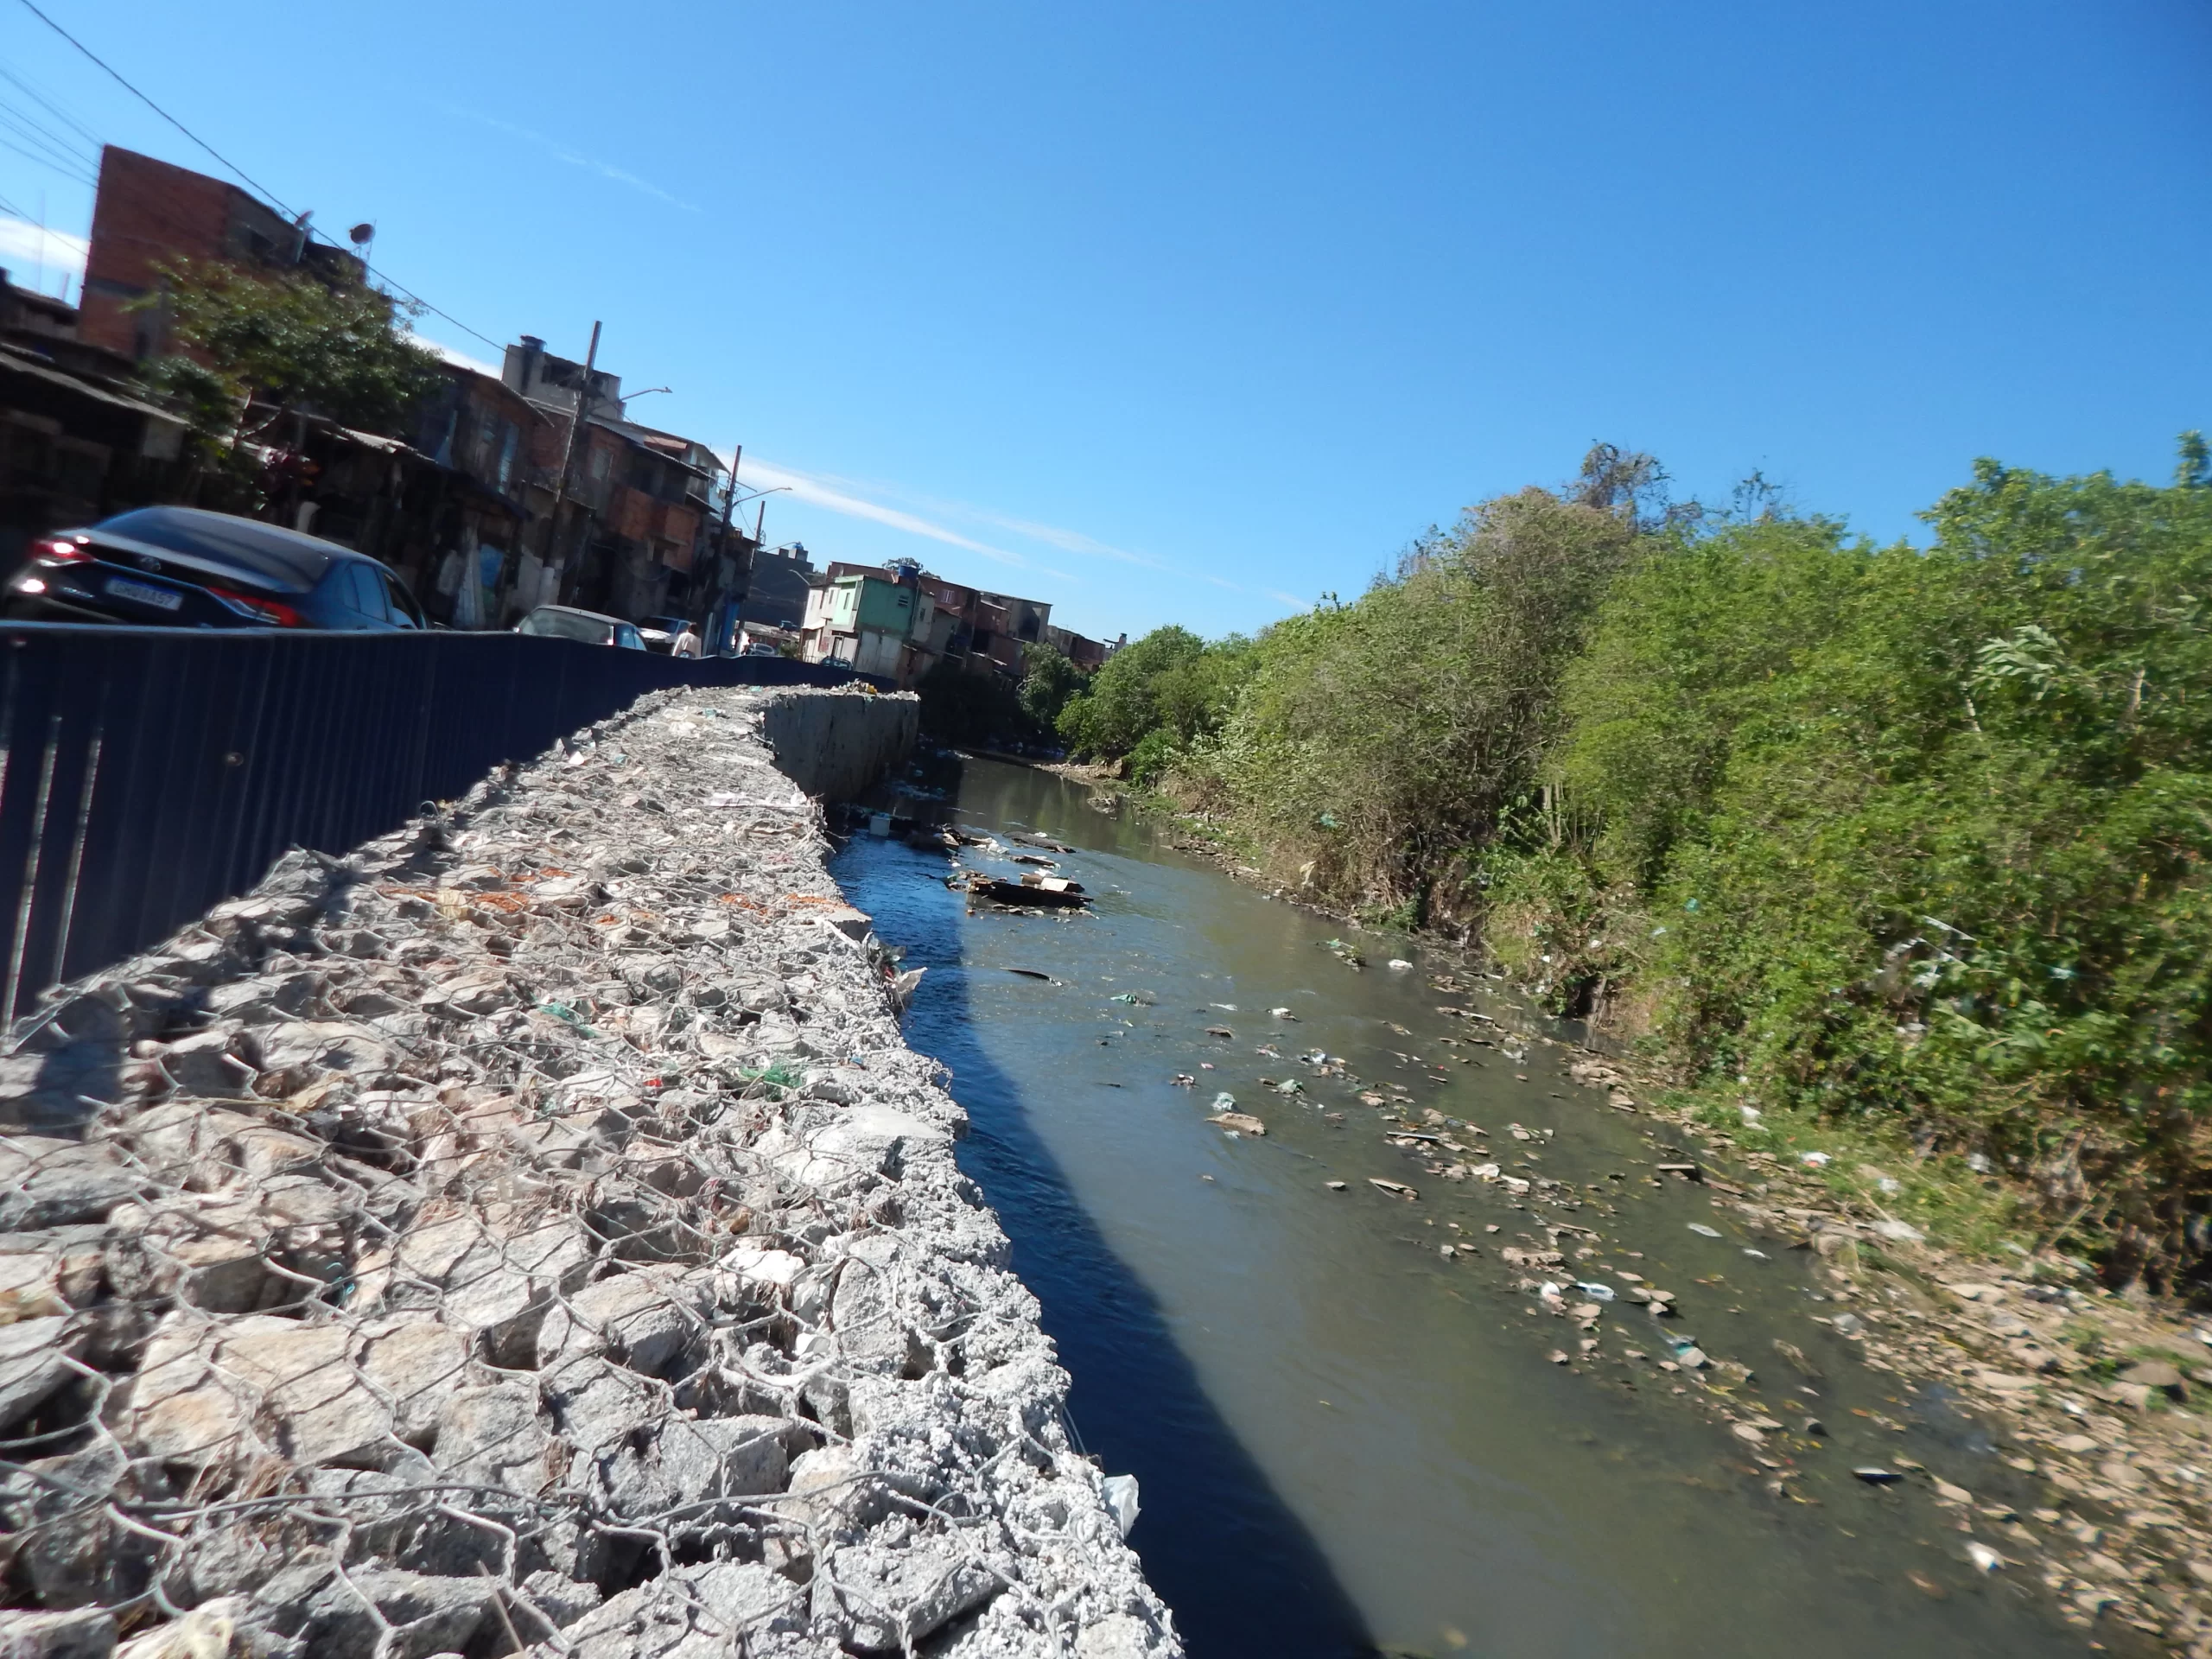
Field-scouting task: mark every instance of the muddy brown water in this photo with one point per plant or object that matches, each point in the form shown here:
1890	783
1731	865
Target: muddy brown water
1345	1441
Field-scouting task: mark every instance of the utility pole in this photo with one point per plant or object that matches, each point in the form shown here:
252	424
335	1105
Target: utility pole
577	417
722	554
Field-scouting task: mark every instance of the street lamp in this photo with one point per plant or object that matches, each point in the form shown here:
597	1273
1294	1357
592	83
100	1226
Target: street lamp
761	496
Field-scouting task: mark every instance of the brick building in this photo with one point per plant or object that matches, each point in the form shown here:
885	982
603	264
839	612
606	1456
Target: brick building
149	214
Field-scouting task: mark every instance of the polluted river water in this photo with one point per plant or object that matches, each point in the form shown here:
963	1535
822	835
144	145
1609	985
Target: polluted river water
1348	1440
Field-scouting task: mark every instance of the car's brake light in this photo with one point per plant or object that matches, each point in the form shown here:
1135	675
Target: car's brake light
58	550
261	610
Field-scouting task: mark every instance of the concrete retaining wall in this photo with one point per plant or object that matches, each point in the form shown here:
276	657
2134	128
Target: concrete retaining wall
834	744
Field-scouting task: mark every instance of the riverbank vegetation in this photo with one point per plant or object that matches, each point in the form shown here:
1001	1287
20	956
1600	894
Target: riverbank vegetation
1912	839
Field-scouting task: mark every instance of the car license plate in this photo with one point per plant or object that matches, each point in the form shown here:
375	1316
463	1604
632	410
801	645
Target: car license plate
144	593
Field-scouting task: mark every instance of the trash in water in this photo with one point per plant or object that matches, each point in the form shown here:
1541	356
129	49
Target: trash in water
1756	1256
1120	1492
1290	1086
1396	1189
1031	973
1219	1031
1983	1556
1184	1080
1596	1292
1704	1231
1281	1013
1874	1476
1399	965
1549	1291
1028	892
1137	997
1224	1101
1334	1186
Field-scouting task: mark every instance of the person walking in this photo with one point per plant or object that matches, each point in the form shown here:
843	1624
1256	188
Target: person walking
686	643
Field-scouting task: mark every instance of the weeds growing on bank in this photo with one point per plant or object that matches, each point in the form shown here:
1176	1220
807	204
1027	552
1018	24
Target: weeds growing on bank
1907	845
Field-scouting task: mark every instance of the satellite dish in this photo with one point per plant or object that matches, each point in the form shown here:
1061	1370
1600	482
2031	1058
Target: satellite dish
362	233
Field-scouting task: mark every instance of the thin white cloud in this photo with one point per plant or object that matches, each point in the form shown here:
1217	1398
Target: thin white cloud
459	359
23	244
1068	541
825	493
572	157
1290	600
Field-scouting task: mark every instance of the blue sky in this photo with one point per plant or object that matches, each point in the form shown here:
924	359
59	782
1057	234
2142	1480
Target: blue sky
1167	312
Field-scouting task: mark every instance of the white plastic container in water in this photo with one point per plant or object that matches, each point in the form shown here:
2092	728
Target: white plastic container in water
879	823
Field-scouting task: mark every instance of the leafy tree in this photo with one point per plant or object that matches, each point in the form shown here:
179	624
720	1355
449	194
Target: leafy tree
1122	705
1050	680
1377	743
1923	835
339	350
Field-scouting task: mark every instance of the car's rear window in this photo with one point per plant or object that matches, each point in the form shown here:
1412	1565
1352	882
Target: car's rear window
566	624
280	558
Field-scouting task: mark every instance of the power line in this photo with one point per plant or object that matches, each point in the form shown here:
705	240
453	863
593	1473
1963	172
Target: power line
116	77
47	161
410	294
49	105
267	194
56	144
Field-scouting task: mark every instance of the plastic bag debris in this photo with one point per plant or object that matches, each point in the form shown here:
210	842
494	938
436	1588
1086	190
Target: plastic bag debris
1815	1159
1596	1292
1400	965
1120	1492
1224	1101
1704	1231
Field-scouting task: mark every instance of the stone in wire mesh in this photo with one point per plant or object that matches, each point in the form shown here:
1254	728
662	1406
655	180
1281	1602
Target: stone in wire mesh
528	1234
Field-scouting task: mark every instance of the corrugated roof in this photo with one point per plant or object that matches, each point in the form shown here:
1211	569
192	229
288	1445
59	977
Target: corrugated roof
22	362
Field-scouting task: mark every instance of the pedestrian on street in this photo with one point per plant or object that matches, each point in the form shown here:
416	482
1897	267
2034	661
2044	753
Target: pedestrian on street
686	643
